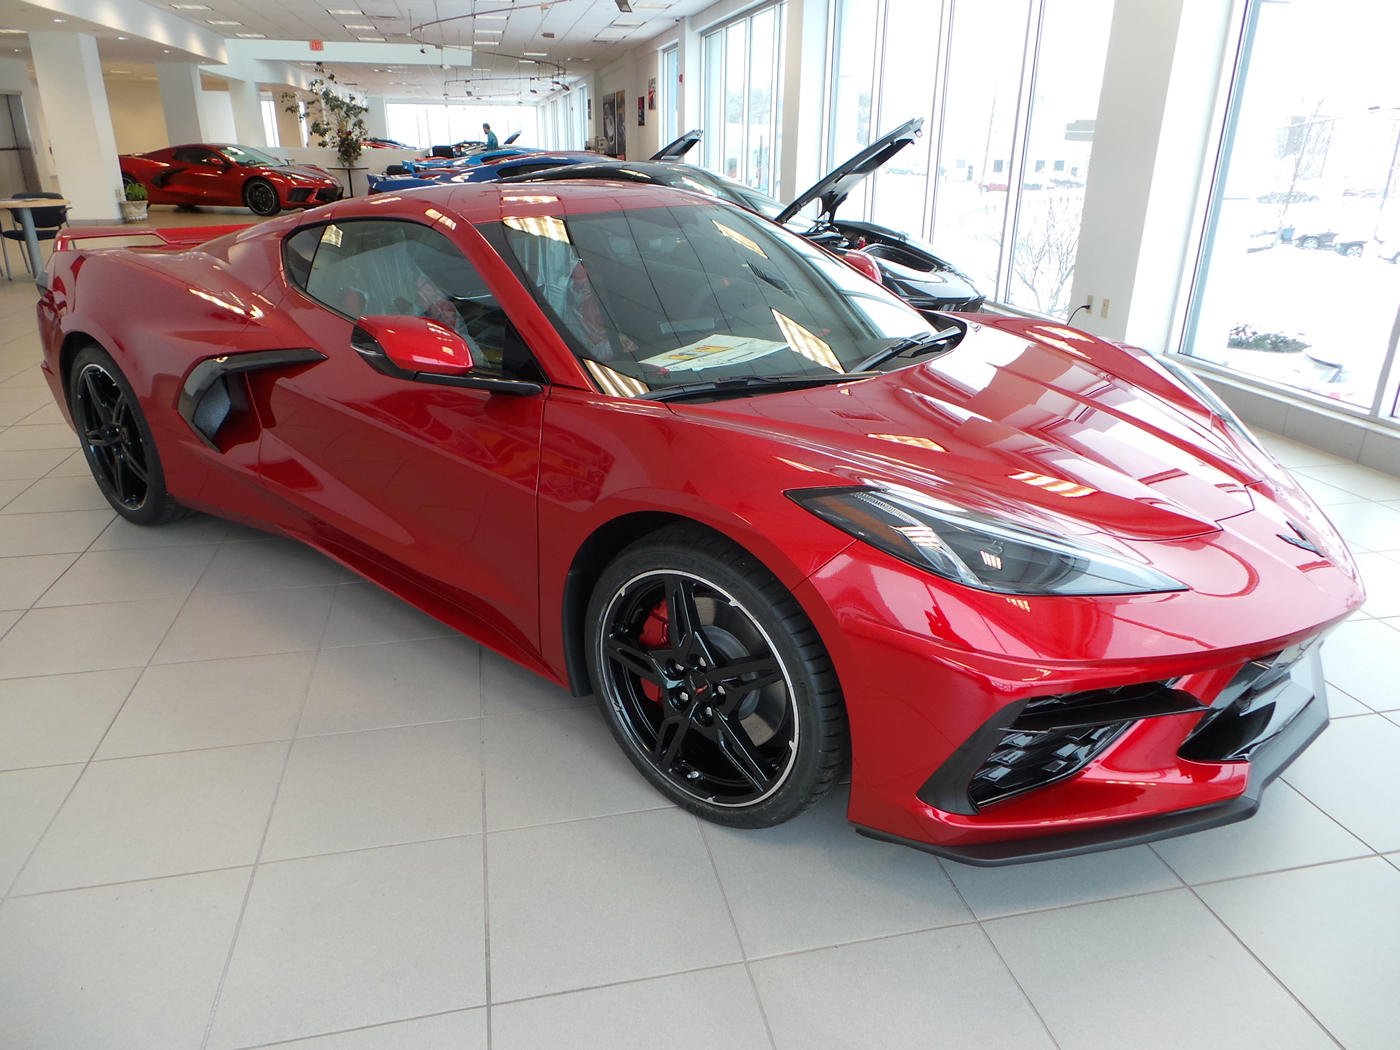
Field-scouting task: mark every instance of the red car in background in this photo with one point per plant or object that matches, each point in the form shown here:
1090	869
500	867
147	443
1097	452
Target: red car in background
223	175
1037	592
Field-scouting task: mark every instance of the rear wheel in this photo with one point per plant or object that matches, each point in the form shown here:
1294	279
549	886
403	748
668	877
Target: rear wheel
260	197
117	441
1353	251
713	680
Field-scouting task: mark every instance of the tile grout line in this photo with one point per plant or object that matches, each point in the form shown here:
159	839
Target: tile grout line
485	843
267	825
977	921
738	937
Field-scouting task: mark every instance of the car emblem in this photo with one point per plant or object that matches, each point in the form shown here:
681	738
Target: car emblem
1300	540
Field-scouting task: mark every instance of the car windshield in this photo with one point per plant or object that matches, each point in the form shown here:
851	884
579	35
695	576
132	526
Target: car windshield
249	158
657	297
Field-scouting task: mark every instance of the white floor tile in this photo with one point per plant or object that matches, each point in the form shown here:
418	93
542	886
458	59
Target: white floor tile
1329	933
85	637
198	528
364	614
329	943
58	718
594	902
62	532
393	684
53	435
31	464
1153	973
142	818
1374	526
508	688
1287	832
813	882
378	788
210	703
1380	573
558	765
253	623
10	491
54	494
1353	477
28	800
1352	773
132	967
944	989
704	1010
1353	659
993	892
265	565
129	575
24	579
459	1030
1341	704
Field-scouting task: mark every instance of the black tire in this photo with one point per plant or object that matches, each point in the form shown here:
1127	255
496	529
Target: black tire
1353	251
129	180
260	197
749	756
1309	243
117	441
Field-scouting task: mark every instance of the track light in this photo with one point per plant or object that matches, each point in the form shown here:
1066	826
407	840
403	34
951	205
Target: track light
625	6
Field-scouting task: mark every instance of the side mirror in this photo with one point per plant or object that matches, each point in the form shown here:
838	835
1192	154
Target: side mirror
414	344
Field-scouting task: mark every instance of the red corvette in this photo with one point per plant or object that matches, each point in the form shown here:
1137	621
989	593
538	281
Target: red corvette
221	175
1038	593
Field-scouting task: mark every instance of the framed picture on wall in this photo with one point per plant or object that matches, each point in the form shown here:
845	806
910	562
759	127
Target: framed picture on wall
610	124
641	111
620	105
651	93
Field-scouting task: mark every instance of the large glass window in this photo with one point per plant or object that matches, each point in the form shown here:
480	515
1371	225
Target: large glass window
670	94
424	124
1298	282
743	98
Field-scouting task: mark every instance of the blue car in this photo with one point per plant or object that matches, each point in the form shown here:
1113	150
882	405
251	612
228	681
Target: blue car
484	167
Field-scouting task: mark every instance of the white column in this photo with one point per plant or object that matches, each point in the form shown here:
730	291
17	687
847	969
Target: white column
1151	144
804	73
84	147
179	97
291	129
377	119
246	100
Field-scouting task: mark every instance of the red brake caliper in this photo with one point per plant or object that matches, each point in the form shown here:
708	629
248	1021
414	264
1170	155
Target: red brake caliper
655	634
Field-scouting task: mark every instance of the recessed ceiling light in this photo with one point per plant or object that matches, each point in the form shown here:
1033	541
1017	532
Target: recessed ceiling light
497	32
192	7
248	36
371	39
349	26
121	72
486	43
343	11
19	32
60	19
222	22
536	54
123	38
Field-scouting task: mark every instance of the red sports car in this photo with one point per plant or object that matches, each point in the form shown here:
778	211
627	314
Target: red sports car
222	175
1035	592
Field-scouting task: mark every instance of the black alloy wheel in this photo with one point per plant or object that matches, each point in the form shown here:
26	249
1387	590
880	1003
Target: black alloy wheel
117	441
713	680
260	197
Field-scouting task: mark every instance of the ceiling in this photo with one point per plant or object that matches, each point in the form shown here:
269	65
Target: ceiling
505	35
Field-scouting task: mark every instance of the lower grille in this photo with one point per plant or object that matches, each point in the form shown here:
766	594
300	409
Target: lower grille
1036	743
330	193
1024	761
299	195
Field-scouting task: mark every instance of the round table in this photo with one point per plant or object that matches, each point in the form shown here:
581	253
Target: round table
21	208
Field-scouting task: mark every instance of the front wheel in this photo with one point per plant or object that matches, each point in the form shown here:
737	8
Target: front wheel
117	441
1353	251
713	680
260	197
1309	244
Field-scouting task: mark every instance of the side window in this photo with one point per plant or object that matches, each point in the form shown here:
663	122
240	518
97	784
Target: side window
368	267
196	155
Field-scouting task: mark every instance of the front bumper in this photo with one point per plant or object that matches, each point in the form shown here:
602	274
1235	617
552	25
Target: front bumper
1270	758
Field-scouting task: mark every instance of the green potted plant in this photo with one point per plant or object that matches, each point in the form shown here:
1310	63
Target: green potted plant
135	203
334	119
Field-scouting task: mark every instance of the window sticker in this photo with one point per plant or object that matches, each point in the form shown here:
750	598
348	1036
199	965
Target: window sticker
716	351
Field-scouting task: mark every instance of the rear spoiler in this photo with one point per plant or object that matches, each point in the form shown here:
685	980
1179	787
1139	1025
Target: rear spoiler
175	238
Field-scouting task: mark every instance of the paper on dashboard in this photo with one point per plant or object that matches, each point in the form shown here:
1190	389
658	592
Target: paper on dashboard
716	351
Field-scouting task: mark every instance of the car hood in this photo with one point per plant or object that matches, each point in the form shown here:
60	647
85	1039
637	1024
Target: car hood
1034	421
678	148
300	172
834	188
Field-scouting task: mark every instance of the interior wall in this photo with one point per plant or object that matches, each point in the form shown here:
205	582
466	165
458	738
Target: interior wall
138	120
14	77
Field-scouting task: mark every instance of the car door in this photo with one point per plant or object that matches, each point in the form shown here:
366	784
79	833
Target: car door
437	483
200	176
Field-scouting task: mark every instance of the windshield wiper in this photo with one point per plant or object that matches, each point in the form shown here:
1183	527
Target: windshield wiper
904	346
753	385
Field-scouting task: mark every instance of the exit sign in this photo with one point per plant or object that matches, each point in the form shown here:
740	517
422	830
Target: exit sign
317	45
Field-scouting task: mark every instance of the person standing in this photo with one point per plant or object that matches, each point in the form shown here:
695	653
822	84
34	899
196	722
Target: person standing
491	141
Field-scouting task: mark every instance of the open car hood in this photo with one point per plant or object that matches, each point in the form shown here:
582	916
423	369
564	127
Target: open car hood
678	148
834	188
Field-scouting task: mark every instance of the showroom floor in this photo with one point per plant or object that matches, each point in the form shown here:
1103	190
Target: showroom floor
248	800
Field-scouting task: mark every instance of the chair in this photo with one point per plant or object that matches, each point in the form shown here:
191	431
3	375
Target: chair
47	222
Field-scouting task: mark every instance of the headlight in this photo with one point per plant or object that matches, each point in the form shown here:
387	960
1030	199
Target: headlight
976	550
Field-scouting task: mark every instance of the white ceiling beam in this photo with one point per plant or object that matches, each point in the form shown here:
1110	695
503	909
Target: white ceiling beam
333	51
133	18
